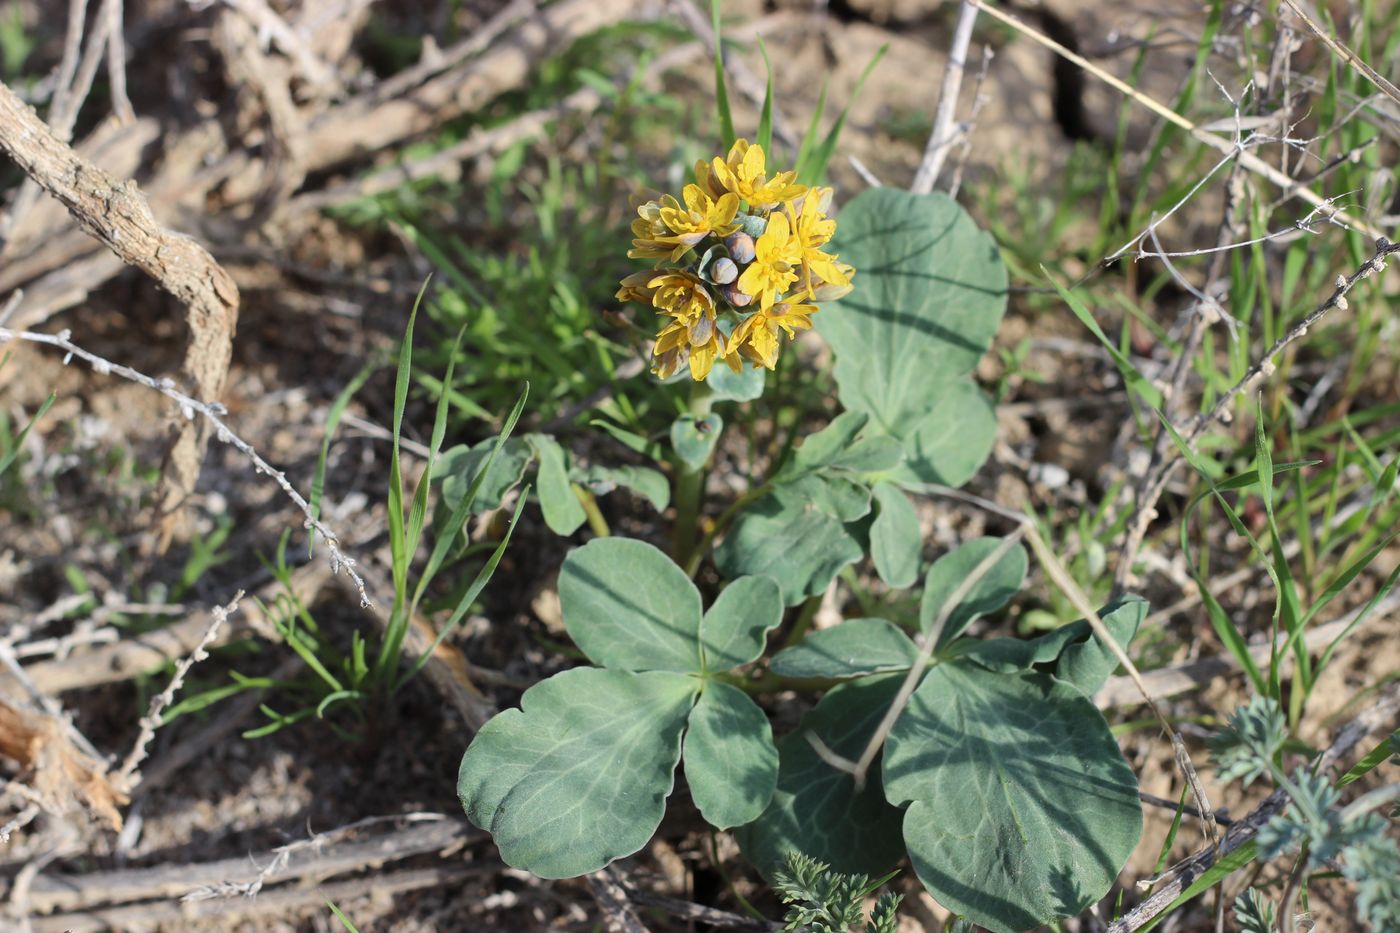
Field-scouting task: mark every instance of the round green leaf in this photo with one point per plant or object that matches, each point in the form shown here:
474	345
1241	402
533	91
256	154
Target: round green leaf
693	440
735	629
731	763
743	386
629	607
1021	808
988	594
816	809
950	443
930	291
851	649
579	775
895	542
781	536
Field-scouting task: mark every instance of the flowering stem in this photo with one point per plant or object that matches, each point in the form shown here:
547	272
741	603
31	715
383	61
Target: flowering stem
690	484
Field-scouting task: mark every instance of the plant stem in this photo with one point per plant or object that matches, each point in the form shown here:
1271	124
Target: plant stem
690	484
596	521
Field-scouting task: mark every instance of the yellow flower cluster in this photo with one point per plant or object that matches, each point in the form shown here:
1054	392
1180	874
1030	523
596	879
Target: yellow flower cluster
735	265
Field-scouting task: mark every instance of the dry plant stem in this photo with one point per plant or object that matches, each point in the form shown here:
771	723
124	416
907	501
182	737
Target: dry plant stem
212	412
268	23
1344	53
1250	161
117	214
282	855
116	61
127	776
930	642
1156	483
273	906
1380	715
1145	510
322	856
606	887
944	133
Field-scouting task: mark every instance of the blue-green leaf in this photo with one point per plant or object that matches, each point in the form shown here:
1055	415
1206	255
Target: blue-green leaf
994	590
895	542
1020	807
854	648
579	775
731	763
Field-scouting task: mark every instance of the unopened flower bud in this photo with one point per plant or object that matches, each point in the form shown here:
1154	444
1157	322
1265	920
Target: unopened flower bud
723	271
735	295
740	246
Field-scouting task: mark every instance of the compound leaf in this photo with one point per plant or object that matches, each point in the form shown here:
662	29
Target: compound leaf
579	775
930	292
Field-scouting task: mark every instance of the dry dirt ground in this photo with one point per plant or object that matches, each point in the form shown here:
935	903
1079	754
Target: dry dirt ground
222	163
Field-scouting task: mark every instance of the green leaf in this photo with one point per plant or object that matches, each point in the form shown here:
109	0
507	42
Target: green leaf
458	467
895	542
816	809
1086	662
579	775
781	536
1072	652
1021	808
563	513
822	448
990	593
852	649
949	444
1135	380
870	455
629	607
837	496
726	119
930	292
764	137
693	440
650	484
731	763
736	628
743	386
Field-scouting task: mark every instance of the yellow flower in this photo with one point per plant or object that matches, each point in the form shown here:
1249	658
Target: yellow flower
681	295
637	287
648	231
830	291
700	343
812	228
777	255
742	173
701	216
757	338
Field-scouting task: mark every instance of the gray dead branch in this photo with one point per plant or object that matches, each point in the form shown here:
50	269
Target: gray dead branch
214	882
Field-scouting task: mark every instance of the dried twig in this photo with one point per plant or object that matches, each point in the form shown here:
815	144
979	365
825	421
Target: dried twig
945	133
1379	715
126	776
212	412
1250	161
117	214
